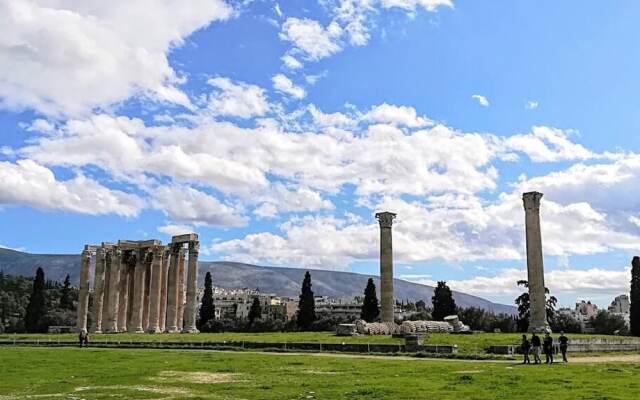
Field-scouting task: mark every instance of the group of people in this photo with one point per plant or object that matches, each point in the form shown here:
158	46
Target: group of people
535	346
83	338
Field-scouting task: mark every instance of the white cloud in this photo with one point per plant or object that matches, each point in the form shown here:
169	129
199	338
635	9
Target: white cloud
173	229
411	5
28	183
279	199
531	105
546	144
68	57
312	39
285	85
291	62
483	101
398	115
237	99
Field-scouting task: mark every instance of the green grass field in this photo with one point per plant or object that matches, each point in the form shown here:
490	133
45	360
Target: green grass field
467	344
74	373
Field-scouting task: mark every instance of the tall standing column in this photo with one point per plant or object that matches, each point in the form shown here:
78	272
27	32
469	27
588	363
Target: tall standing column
147	287
83	295
98	292
154	291
108	256
387	301
163	289
192	289
131	280
535	266
180	289
138	294
114	280
123	302
172	290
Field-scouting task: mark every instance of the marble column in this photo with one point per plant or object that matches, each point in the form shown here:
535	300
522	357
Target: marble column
123	302
114	280
192	289
171	323
138	294
387	301
83	294
147	285
154	291
163	289
181	296
108	256
131	270
98	292
535	266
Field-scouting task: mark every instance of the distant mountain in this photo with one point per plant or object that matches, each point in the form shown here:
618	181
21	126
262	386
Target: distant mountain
280	281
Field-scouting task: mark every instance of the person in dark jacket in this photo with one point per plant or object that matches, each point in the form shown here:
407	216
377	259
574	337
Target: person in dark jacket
547	346
526	348
564	345
535	348
81	337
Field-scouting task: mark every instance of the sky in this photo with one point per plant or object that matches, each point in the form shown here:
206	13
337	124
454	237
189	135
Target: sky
277	129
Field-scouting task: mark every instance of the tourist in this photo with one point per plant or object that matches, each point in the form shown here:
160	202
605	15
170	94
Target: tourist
525	347
535	348
564	344
548	348
86	339
81	337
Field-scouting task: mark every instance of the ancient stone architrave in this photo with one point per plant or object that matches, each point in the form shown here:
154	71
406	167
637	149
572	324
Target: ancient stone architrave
535	267
98	291
192	276
387	300
83	294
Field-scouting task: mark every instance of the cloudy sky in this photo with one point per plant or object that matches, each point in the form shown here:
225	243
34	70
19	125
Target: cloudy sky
276	129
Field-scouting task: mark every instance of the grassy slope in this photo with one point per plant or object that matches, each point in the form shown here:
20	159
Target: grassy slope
137	374
467	344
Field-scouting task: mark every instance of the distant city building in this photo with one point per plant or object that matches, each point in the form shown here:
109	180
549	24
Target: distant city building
582	312
236	303
620	305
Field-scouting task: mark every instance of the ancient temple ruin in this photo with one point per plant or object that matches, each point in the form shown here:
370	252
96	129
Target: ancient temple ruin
140	286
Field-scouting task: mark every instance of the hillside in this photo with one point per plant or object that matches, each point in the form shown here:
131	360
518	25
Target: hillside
280	281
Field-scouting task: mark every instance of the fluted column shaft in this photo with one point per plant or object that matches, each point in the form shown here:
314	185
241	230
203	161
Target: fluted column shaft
163	290
138	294
83	294
387	301
123	302
114	280
154	291
181	296
147	286
535	264
172	290
192	288
98	292
108	255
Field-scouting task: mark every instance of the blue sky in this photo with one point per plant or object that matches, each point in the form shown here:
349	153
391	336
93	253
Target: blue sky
277	129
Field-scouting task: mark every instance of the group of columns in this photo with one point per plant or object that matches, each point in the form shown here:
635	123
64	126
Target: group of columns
140	286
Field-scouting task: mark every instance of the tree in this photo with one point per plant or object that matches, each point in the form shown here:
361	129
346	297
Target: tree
66	301
634	316
524	306
370	309
443	303
207	309
255	312
563	322
608	324
306	305
34	319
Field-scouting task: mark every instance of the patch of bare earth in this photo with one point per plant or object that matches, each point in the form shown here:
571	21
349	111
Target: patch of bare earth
196	377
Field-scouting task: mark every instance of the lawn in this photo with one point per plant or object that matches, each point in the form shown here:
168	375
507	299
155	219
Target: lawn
173	374
467	344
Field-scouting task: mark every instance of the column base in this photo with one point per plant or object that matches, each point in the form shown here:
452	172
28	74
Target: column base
154	330
96	331
171	329
539	328
190	329
110	331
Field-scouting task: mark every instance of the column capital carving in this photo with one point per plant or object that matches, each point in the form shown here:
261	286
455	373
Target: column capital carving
385	219
531	200
194	247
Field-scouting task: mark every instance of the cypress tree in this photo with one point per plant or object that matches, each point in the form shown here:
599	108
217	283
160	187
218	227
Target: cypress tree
443	303
306	305
370	309
66	302
634	297
36	309
255	312
207	309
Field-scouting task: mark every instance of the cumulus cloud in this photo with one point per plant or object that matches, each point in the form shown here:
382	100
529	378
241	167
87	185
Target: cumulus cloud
412	5
531	105
483	101
545	144
310	38
397	115
28	183
283	84
291	62
237	99
68	57
174	230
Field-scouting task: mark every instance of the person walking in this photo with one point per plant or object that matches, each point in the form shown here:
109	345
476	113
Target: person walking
564	345
535	348
86	339
81	336
526	348
547	345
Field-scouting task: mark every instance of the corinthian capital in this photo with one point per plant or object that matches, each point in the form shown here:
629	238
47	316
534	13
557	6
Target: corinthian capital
531	200
385	219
